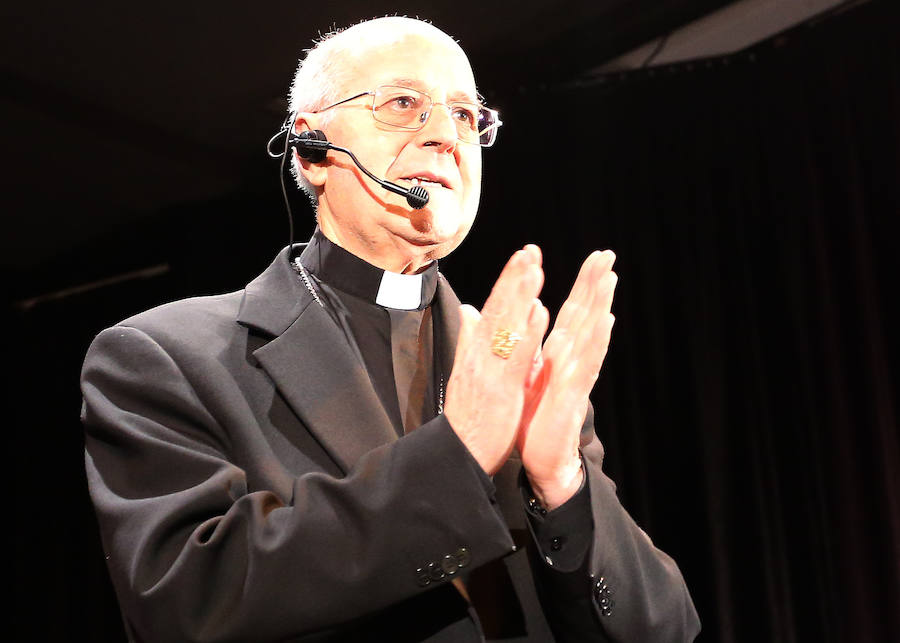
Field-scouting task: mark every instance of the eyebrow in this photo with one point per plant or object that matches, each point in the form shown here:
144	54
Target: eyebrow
419	85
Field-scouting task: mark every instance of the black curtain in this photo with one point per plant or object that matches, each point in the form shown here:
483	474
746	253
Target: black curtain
749	400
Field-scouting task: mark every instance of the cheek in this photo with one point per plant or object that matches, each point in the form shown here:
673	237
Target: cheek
470	171
473	183
375	149
471	199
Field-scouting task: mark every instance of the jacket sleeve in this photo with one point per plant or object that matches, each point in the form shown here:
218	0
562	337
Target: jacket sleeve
626	589
195	555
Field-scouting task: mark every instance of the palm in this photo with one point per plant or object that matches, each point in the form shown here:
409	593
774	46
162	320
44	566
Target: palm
556	398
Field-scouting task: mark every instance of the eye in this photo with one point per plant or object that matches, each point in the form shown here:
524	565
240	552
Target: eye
465	114
405	103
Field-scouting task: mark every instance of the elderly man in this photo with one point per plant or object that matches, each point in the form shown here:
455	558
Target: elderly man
342	452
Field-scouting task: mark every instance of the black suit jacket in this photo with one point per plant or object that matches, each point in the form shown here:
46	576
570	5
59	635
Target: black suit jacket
250	487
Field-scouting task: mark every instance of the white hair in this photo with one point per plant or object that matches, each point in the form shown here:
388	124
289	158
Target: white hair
323	73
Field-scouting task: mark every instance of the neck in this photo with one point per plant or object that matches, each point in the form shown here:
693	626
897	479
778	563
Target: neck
407	260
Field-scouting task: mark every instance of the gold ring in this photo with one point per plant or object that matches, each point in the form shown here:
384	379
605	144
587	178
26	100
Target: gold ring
503	342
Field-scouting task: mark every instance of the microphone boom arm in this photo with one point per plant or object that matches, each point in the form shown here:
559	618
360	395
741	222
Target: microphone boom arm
416	196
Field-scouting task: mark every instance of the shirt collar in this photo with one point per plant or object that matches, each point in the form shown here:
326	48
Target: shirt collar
348	273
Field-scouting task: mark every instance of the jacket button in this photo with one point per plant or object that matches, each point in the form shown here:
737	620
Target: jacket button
463	557
556	544
422	577
449	564
603	595
536	507
435	571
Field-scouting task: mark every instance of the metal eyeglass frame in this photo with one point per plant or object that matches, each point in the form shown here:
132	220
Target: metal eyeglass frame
494	126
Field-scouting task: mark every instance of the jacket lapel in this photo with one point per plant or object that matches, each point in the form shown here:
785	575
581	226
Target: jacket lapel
313	366
446	324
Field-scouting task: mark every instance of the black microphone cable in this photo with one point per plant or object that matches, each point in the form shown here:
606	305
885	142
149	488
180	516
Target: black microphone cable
287	201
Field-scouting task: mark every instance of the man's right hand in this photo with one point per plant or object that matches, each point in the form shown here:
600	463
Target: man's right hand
486	393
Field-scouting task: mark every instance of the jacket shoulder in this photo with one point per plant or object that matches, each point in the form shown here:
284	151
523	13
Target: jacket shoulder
195	320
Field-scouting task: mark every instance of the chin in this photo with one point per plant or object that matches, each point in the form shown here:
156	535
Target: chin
436	228
440	222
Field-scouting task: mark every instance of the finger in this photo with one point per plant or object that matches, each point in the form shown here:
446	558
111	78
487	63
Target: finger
512	272
573	311
537	361
468	323
578	292
611	293
583	294
510	302
507	283
536	366
512	307
535	252
529	349
581	349
593	356
593	332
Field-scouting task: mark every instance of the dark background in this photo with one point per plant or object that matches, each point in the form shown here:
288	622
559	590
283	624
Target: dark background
749	400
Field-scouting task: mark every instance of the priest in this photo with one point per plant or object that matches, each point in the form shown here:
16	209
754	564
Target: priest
341	451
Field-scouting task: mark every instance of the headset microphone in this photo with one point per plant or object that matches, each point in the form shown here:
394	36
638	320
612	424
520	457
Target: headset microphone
312	145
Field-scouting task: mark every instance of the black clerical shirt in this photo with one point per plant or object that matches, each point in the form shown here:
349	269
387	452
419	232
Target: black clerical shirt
389	322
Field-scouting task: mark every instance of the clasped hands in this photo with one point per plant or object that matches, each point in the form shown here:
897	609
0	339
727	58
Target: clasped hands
536	399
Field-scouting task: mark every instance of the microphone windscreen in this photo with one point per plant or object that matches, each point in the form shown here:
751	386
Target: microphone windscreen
417	197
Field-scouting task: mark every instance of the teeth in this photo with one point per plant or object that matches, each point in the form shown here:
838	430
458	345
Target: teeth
418	181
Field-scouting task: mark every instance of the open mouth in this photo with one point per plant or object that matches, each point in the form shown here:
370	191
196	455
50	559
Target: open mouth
426	181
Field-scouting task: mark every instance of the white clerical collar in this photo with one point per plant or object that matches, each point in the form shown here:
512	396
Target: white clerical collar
348	273
403	292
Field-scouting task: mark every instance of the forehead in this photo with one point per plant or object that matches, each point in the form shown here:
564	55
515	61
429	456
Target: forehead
431	65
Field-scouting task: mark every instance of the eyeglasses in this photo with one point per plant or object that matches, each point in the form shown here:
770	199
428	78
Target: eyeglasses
409	108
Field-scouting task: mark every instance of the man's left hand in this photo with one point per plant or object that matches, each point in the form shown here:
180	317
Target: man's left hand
565	372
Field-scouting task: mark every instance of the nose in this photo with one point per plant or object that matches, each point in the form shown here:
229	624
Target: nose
439	129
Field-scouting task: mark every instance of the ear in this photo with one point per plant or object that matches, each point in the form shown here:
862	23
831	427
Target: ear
315	173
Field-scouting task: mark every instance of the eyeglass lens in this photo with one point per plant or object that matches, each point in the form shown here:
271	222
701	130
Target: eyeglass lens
409	108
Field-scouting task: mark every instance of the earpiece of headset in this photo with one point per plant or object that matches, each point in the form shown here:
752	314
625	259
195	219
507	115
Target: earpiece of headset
311	145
